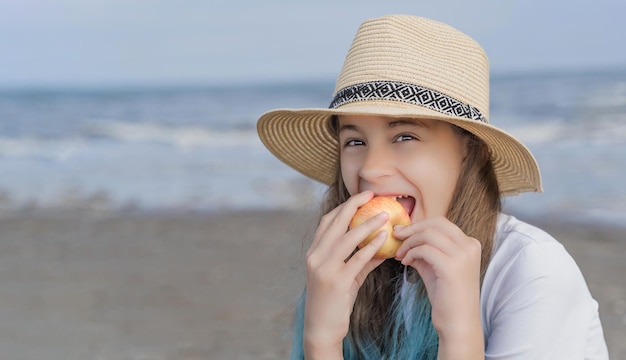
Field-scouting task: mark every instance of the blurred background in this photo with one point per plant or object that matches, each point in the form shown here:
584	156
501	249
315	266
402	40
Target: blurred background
152	105
129	159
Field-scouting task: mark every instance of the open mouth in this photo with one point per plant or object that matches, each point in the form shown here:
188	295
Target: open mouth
407	202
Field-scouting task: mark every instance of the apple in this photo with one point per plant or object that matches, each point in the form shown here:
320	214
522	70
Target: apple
397	216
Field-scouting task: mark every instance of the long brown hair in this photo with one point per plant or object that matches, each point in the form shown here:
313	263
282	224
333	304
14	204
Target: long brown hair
474	209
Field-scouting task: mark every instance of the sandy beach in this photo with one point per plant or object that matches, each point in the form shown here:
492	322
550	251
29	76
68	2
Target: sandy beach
88	285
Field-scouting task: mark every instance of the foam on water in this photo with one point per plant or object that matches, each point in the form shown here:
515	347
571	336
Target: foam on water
546	132
36	148
182	137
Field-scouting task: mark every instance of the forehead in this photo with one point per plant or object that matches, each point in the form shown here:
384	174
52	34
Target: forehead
354	122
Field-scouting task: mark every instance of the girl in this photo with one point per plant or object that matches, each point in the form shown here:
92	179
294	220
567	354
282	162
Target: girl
410	120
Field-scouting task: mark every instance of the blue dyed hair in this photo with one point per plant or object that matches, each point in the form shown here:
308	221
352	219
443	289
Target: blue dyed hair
410	323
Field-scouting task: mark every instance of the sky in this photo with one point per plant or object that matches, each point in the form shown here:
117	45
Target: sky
159	42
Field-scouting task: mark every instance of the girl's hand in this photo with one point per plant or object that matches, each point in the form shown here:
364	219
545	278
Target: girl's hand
448	262
334	277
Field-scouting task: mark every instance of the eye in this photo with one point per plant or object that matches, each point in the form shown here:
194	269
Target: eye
404	137
353	142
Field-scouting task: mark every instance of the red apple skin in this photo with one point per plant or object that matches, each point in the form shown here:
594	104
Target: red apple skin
397	216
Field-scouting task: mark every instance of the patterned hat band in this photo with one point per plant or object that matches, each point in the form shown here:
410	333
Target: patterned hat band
408	93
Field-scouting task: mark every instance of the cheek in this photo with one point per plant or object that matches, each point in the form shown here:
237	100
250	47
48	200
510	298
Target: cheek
444	186
435	178
447	185
350	175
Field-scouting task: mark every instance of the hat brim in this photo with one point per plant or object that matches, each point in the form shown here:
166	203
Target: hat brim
303	139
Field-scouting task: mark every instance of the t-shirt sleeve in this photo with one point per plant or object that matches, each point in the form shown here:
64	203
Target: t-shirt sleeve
540	308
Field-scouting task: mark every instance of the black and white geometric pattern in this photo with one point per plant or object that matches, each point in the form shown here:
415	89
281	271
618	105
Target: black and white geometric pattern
409	93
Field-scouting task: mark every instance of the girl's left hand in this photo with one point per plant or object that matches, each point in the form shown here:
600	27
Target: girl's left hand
448	262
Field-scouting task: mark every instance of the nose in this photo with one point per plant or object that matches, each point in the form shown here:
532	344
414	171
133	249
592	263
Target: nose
376	165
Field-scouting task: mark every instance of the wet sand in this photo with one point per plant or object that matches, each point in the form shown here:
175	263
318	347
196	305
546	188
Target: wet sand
196	286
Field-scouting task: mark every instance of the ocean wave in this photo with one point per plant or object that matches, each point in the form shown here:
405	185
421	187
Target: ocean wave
183	136
188	137
41	148
598	128
537	133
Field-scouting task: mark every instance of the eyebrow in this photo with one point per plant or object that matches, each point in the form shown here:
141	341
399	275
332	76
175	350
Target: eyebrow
391	124
399	122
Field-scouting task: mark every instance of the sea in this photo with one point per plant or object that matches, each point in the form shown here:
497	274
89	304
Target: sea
195	148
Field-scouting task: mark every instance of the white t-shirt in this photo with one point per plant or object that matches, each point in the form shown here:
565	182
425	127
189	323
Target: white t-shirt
535	303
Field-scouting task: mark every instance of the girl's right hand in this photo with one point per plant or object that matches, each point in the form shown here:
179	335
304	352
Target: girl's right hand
334	277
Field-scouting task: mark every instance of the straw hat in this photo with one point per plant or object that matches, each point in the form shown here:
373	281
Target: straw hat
409	67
